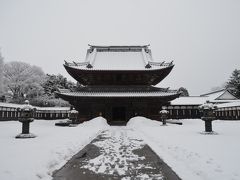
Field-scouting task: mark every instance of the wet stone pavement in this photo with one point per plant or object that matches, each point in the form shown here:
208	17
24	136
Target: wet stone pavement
115	154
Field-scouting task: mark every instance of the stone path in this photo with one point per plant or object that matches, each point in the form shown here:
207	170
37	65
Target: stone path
115	154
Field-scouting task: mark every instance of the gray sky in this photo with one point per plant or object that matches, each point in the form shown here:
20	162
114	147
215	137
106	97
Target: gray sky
201	36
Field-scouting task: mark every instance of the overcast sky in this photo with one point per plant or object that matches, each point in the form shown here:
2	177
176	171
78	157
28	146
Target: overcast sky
201	36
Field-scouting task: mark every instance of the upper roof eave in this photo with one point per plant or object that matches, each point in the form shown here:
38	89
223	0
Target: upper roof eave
84	68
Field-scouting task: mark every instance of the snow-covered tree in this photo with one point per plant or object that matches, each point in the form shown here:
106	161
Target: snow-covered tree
183	91
1	74
233	83
23	79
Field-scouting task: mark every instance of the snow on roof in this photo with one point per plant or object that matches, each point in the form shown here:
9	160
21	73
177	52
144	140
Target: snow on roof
222	96
213	92
214	95
236	103
11	105
119	58
53	108
223	101
191	100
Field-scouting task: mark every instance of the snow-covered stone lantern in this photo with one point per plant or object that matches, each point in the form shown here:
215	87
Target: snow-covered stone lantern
26	117
164	115
73	116
208	110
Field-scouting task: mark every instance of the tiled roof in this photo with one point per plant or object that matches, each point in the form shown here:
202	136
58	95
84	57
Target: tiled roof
222	94
230	104
120	94
191	100
214	97
214	92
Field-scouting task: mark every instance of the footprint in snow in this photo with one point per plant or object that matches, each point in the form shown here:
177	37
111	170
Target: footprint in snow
199	173
196	154
208	162
218	170
235	174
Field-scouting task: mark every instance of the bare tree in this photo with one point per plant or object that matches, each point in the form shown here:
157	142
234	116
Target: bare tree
22	78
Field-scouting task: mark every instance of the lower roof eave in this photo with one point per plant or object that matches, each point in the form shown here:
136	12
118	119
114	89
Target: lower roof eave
108	96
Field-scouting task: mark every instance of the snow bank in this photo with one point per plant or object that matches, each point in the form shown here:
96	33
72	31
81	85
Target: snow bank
140	121
32	159
191	154
98	121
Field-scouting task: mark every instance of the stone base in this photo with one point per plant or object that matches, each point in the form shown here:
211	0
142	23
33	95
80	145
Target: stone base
24	136
209	133
63	123
178	122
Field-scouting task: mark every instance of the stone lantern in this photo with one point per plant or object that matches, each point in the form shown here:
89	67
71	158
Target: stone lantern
26	117
164	115
73	116
208	110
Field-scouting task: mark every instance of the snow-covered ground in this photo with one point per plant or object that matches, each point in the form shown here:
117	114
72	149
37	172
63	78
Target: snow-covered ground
37	158
191	154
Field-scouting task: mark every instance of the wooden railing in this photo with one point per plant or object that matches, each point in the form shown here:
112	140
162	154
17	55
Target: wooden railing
76	63
161	63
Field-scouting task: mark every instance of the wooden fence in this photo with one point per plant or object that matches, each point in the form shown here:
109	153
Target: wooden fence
11	113
192	112
175	112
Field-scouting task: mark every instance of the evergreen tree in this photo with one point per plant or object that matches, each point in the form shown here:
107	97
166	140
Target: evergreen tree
234	83
55	82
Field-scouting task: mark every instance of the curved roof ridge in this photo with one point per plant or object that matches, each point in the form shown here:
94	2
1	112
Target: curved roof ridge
118	46
213	92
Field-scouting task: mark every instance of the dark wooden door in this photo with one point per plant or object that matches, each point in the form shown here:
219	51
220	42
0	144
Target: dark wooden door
119	113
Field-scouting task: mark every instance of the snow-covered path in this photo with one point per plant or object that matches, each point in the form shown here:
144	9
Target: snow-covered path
117	153
117	146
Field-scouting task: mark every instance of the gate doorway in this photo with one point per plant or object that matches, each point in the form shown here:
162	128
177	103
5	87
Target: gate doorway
118	115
